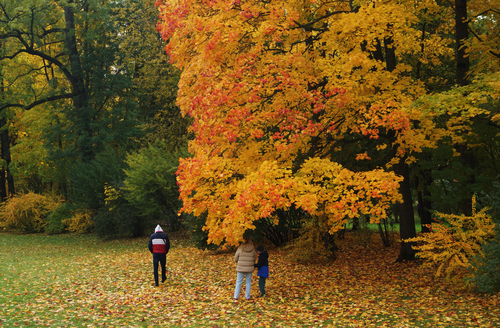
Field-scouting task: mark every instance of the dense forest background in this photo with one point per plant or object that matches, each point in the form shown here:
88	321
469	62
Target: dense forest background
89	122
91	135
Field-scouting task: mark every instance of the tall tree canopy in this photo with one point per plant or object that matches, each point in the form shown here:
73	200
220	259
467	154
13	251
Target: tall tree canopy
274	89
278	90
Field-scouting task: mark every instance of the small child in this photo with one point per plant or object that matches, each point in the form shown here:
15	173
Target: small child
263	269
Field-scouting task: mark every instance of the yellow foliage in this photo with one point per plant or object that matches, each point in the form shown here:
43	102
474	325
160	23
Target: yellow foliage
274	87
111	195
311	244
28	212
451	244
81	221
261	97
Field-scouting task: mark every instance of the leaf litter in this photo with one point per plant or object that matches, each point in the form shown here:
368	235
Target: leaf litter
90	283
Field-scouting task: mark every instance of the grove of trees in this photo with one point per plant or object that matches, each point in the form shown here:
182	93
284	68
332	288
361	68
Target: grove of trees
294	120
84	85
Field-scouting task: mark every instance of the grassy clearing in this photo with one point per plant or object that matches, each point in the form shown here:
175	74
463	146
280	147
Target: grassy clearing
80	281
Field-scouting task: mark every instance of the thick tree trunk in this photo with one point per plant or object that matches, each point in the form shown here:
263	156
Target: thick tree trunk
390	54
5	140
6	179
406	216
3	186
80	100
468	178
424	210
405	209
462	66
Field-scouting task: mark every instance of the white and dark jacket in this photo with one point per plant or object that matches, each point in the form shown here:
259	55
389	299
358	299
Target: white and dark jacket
159	243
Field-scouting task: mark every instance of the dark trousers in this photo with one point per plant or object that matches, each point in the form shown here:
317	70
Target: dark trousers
262	285
159	258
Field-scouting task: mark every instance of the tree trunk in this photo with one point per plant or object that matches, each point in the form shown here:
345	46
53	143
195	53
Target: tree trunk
5	140
461	35
462	67
390	54
3	186
80	100
425	204
6	179
406	216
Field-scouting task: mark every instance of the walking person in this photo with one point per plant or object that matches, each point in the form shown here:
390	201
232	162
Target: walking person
245	258
159	245
262	266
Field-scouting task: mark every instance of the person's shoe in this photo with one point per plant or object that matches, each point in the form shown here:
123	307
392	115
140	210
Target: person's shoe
262	295
156	285
163	279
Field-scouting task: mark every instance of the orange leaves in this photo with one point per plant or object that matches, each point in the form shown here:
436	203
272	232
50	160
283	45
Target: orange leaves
272	87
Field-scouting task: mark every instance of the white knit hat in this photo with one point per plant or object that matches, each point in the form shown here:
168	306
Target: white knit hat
158	229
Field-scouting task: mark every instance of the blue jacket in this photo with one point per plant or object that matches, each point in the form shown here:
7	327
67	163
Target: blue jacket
263	265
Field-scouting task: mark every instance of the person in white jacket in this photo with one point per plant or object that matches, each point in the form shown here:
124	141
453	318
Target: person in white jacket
245	258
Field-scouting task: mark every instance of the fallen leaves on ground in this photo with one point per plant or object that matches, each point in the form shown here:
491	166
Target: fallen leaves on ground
87	283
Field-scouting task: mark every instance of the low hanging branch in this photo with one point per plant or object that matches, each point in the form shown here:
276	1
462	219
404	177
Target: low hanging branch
37	102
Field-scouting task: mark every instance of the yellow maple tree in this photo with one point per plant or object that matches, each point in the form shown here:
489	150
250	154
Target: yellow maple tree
274	88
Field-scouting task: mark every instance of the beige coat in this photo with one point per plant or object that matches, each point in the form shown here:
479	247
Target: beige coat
245	257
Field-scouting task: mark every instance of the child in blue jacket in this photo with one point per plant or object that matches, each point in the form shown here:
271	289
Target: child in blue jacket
263	269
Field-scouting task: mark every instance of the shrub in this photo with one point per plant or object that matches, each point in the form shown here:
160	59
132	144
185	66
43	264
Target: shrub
315	241
151	186
118	218
283	227
28	212
452	244
89	178
56	219
80	221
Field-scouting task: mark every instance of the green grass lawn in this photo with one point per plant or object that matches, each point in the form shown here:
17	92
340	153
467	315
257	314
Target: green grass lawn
79	281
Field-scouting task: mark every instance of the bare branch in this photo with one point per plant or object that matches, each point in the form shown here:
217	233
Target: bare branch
38	102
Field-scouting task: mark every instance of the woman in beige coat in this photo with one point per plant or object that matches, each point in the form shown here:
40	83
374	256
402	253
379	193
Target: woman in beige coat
245	258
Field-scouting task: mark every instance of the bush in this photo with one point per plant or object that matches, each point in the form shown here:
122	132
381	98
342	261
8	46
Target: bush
283	228
151	186
452	244
88	179
80	221
119	219
56	219
28	212
315	241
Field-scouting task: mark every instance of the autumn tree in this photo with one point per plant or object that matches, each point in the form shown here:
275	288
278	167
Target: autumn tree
274	90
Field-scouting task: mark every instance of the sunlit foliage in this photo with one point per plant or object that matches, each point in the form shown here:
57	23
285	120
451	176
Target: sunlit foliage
453	241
